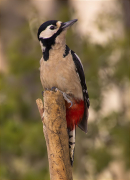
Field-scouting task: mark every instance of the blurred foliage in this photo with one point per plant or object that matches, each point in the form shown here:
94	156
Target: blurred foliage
21	129
23	148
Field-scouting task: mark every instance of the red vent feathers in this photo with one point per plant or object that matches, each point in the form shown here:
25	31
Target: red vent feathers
74	114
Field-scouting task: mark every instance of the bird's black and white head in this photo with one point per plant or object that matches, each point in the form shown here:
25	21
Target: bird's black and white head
52	34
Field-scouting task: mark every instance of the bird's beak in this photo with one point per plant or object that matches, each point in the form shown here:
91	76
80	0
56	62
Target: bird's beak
68	23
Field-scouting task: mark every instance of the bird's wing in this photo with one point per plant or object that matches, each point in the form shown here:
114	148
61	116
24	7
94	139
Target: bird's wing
79	69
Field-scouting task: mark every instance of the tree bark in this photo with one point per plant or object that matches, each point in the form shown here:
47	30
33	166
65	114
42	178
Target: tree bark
55	132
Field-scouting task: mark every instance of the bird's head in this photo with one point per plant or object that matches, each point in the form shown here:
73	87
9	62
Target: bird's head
53	32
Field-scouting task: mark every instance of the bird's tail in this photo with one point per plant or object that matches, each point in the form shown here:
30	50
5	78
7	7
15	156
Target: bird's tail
72	134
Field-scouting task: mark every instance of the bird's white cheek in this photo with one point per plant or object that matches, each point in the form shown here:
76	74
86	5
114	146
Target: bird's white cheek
47	33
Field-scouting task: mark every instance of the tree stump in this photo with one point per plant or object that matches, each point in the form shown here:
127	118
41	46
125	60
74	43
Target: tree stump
56	136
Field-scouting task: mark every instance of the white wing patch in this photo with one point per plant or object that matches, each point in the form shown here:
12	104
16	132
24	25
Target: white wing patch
83	83
81	65
79	60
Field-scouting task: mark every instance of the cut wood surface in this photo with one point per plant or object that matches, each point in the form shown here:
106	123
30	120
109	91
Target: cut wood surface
55	132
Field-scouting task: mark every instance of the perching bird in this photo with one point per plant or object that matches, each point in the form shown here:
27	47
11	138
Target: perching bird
61	68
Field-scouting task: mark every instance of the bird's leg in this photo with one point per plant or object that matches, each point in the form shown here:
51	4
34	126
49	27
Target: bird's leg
54	89
66	97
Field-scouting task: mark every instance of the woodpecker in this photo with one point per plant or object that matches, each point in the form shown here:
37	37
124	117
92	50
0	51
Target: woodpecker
60	67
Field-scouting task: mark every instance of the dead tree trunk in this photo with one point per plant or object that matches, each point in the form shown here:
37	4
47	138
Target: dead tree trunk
55	132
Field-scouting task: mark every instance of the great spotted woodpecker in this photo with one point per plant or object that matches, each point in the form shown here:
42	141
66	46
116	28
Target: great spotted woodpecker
60	67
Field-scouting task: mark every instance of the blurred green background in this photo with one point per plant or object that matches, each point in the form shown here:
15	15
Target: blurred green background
101	38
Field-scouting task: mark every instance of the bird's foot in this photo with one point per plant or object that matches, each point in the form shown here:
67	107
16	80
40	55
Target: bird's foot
66	97
54	89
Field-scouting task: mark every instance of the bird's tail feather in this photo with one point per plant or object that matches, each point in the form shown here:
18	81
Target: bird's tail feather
72	134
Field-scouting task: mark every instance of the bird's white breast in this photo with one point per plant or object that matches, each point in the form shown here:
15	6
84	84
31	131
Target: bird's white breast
60	72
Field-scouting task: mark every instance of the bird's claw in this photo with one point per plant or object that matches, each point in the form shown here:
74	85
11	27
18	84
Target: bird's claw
54	89
47	89
66	97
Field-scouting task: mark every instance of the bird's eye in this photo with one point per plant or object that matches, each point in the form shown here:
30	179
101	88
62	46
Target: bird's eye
52	27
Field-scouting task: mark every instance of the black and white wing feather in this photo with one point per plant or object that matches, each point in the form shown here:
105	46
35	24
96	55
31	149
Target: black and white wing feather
79	69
